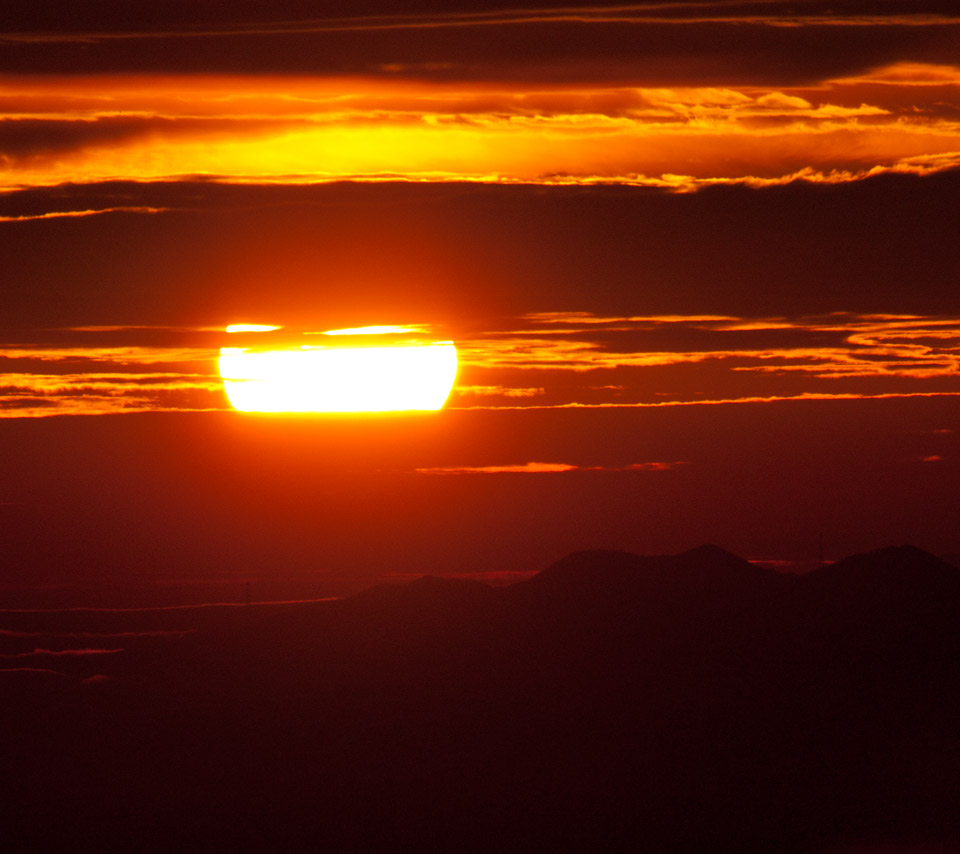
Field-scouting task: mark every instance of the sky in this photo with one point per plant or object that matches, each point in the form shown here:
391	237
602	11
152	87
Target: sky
699	261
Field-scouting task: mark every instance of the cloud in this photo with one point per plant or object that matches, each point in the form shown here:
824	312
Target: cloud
43	380
42	653
497	391
38	671
663	43
777	100
155	633
587	343
520	468
156	608
906	74
544	468
726	401
89	212
774	13
576	318
270	129
539	360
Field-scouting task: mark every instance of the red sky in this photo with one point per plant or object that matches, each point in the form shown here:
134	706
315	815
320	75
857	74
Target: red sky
699	260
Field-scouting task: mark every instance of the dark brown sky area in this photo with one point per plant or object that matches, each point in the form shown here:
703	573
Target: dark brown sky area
684	43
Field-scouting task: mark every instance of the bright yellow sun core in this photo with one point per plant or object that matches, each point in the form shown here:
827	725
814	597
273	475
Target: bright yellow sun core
402	377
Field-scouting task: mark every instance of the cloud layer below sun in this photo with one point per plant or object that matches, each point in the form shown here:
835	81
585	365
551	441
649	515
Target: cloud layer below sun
547	360
904	117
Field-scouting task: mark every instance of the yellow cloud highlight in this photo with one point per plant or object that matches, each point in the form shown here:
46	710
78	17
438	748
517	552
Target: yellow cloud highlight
90	357
250	327
298	130
378	330
907	74
139	209
498	391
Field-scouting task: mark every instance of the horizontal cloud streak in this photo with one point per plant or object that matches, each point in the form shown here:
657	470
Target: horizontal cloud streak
41	671
544	468
300	130
149	633
83	609
731	400
41	653
766	12
538	361
89	212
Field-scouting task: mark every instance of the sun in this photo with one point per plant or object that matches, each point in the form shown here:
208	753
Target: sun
397	377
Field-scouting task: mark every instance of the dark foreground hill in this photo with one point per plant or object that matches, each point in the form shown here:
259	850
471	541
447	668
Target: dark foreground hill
613	702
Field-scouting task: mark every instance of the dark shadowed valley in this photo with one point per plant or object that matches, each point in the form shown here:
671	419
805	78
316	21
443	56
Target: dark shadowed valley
612	702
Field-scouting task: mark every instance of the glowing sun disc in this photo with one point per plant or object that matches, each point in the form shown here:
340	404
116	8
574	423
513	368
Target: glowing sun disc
339	379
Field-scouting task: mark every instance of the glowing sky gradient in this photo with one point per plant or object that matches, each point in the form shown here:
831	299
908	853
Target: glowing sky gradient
676	94
901	118
698	259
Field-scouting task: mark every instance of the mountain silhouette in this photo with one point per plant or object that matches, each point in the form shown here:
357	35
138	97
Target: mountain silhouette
600	568
690	702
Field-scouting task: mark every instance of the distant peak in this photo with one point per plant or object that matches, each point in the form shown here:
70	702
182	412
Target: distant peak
906	550
708	563
709	555
709	550
712	562
903	562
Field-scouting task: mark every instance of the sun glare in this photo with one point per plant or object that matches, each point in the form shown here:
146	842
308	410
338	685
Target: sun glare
402	377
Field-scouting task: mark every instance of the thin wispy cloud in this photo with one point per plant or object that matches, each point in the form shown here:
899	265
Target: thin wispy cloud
690	359
728	401
149	609
775	13
544	468
38	671
69	653
81	213
543	360
151	633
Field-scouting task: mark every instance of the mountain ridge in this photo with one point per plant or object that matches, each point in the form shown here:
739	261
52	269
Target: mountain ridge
671	703
597	569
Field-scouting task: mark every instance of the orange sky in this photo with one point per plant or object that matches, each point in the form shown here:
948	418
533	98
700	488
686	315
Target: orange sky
902	117
555	359
699	260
